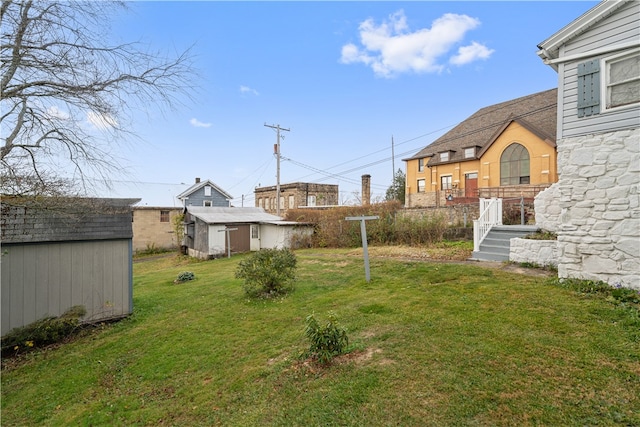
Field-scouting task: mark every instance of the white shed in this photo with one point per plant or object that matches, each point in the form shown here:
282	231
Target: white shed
250	229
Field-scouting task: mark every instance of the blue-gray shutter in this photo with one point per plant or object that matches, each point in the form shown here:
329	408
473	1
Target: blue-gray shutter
589	88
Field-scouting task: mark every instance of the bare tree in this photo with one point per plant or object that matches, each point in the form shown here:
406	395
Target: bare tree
68	94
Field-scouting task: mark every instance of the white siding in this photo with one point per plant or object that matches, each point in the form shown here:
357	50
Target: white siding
620	28
217	237
274	237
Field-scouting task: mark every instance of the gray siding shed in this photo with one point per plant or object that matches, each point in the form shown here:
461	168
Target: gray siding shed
69	252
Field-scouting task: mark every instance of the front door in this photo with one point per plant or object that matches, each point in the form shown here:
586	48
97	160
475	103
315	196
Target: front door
471	185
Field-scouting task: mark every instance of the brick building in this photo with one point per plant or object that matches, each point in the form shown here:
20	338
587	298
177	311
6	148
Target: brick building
296	195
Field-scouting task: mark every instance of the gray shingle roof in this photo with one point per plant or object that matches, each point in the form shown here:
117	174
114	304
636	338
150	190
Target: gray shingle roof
34	220
536	112
219	215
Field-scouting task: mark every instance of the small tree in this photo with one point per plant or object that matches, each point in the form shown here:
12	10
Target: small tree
178	228
326	341
397	189
268	272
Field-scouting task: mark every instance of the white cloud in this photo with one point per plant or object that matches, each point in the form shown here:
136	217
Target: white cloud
247	89
101	121
56	113
197	123
390	48
473	52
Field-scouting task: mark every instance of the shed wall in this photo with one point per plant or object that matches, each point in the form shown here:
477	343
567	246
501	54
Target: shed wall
40	280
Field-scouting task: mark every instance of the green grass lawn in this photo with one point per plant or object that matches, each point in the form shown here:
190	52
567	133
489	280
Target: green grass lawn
431	344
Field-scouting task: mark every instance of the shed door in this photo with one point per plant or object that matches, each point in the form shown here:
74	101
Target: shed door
240	238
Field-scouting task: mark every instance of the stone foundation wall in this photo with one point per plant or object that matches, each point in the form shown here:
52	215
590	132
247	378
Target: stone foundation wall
539	252
598	197
454	214
547	210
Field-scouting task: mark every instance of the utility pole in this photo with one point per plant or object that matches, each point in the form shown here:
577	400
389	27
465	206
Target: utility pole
277	153
393	163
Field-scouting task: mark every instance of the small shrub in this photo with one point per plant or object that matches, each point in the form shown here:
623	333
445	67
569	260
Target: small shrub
542	235
49	330
268	273
326	341
185	276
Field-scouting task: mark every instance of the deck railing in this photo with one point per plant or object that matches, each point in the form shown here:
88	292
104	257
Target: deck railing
490	215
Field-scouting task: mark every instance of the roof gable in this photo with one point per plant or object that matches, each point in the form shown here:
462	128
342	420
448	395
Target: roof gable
537	112
198	185
550	48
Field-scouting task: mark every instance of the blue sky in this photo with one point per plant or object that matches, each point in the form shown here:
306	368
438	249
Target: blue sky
344	77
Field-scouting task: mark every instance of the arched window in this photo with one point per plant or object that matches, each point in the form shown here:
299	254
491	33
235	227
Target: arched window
514	165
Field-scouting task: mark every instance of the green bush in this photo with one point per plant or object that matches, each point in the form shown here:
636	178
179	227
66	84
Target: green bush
49	330
185	276
268	273
326	341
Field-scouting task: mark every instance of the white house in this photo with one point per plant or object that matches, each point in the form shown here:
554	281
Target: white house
595	206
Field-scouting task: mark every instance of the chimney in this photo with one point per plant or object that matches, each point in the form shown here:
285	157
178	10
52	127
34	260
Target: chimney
366	190
197	180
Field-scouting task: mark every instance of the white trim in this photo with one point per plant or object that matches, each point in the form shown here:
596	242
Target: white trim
551	45
604	86
591	53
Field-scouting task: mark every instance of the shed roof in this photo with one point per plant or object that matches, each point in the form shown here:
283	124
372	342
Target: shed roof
536	112
59	219
223	215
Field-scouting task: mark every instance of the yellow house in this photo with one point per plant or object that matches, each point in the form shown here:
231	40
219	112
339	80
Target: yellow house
504	150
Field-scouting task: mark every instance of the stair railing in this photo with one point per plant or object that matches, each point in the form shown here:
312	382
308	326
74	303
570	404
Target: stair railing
490	215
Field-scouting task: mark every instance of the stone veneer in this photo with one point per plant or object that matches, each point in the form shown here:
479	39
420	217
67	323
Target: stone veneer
597	205
540	252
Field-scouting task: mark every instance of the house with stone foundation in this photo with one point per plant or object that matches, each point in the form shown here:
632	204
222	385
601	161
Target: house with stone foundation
595	206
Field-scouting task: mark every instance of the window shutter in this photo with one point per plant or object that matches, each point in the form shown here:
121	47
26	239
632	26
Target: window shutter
589	88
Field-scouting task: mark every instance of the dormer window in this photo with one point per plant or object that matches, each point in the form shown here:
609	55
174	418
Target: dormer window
469	152
444	157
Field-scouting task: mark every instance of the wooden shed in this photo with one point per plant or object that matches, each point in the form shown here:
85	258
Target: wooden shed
62	252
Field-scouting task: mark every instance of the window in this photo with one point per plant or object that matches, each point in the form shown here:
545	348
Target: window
206	203
311	200
622	80
281	202
164	216
420	165
255	232
421	186
469	152
207	191
514	165
444	157
292	202
260	203
445	182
